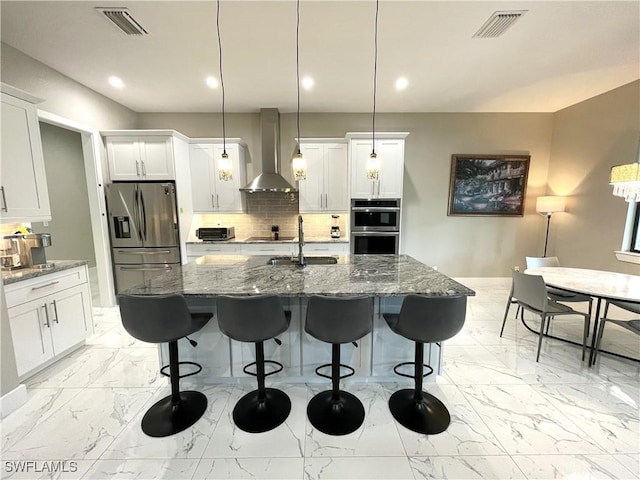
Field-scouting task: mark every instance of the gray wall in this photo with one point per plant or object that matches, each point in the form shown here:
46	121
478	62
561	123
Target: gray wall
8	373
588	139
61	95
459	246
70	225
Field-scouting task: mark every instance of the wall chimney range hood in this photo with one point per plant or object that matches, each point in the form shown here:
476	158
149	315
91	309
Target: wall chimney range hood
270	179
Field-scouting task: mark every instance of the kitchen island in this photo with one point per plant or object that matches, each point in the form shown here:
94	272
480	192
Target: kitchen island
387	278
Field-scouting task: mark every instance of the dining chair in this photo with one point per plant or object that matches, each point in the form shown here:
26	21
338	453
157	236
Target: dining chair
557	294
529	292
631	325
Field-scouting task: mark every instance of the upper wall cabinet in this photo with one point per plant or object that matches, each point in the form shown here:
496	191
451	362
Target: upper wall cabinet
390	152
209	192
23	185
137	157
326	187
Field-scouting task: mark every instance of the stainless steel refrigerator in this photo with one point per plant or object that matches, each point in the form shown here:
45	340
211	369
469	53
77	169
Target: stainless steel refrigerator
143	223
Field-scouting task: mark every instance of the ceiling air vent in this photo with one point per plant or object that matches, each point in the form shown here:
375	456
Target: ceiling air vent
498	24
122	19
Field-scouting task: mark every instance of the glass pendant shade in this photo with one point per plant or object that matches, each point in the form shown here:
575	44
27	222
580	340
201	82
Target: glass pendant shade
299	165
626	181
373	167
225	172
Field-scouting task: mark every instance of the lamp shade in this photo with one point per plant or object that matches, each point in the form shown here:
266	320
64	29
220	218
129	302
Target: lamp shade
550	204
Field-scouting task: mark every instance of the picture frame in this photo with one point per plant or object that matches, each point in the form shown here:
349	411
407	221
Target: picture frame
488	185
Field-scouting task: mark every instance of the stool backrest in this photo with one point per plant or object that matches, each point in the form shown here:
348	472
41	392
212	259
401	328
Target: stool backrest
431	319
251	318
530	290
155	318
539	262
339	319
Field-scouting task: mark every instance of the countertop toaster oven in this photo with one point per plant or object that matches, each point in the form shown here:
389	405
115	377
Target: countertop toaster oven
215	233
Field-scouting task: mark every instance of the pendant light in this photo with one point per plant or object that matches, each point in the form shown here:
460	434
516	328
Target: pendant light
373	164
298	164
225	172
626	180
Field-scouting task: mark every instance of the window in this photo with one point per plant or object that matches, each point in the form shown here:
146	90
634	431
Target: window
635	232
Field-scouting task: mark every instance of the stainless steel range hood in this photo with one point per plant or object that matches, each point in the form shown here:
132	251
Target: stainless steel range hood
270	179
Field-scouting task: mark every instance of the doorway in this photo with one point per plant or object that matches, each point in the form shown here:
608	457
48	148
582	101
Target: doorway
73	156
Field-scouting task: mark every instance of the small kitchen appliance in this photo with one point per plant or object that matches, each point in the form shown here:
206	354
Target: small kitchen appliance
29	248
275	232
335	228
215	233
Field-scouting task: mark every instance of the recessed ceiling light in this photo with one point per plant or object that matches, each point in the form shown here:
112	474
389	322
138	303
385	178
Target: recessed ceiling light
212	82
401	83
307	83
116	82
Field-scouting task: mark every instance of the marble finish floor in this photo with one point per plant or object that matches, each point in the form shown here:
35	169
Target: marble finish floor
511	417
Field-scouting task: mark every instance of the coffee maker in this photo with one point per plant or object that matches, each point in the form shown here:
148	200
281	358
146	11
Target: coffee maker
29	248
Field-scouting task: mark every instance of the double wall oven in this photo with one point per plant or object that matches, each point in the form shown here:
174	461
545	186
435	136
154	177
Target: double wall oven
375	225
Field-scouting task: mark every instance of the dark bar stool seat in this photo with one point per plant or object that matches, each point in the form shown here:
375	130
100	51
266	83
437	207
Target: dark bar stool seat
424	320
255	319
166	319
337	320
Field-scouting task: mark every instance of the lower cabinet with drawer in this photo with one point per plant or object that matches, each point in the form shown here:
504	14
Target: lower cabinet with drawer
198	250
48	316
326	248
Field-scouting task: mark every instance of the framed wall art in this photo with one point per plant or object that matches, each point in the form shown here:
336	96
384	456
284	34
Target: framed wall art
488	185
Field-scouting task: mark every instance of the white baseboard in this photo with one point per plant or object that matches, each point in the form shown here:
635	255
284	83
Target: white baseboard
13	400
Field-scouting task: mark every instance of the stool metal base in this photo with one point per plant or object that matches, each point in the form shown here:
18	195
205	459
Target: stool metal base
255	415
427	415
164	418
335	417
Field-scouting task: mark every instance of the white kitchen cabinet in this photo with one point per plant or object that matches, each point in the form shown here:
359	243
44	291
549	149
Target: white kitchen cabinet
198	250
23	186
390	152
48	316
144	157
326	187
269	248
209	192
326	248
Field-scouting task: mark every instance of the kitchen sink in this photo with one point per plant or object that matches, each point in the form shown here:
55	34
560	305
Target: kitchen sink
308	260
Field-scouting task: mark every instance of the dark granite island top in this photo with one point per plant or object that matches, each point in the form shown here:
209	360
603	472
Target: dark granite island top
376	275
386	278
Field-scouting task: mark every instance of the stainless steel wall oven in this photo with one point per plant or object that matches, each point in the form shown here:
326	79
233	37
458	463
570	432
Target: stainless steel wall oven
375	225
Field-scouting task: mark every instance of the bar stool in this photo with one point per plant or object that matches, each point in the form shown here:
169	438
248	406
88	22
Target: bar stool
166	319
337	320
255	319
424	320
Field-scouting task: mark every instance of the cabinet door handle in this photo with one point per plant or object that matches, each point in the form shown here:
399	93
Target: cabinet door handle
218	200
326	200
4	200
46	315
213	201
137	168
144	169
45	285
55	311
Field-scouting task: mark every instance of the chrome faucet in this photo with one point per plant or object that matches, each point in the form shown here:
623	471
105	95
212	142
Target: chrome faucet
301	261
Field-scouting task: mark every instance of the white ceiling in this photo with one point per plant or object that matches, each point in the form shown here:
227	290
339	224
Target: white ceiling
559	53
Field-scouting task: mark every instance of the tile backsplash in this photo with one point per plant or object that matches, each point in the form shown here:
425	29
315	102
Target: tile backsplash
267	209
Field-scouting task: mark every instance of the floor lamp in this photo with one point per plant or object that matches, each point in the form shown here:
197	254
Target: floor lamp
548	206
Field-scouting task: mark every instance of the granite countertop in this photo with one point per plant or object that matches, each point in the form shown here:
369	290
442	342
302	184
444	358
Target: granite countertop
288	240
9	277
378	275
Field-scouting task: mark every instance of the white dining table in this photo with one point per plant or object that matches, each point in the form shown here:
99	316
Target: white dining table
599	284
